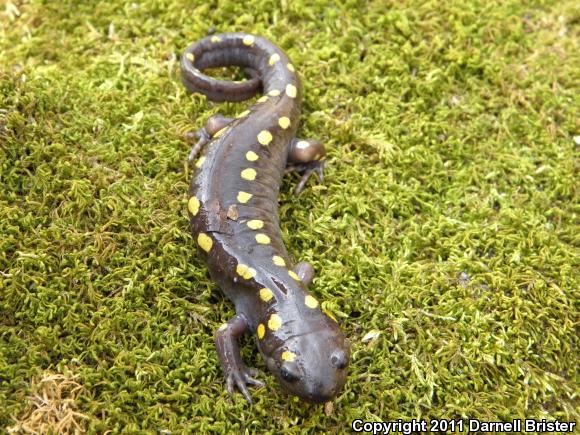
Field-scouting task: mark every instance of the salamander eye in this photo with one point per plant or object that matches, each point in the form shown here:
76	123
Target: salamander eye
339	359
287	374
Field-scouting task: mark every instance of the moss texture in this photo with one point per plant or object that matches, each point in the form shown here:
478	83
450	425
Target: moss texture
445	236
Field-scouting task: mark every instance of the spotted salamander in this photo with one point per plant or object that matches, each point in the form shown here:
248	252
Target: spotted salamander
233	212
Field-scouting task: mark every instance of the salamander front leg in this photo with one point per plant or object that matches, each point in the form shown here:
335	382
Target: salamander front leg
305	272
306	157
214	124
235	371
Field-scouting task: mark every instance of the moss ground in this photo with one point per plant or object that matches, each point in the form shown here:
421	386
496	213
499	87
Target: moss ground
445	236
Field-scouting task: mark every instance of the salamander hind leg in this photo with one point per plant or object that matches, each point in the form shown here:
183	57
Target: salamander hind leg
212	127
235	371
306	156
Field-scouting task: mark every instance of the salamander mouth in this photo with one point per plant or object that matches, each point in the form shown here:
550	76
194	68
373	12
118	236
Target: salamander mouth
317	399
315	394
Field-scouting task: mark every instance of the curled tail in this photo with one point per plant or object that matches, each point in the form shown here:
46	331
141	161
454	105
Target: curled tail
268	66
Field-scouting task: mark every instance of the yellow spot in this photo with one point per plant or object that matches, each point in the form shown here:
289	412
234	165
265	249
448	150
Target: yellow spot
255	224
252	156
293	275
244	113
248	174
204	241
291	91
262	239
290	67
200	162
244	197
190	57
278	261
265	137
274	322
274	93
274	58
261	331
220	132
193	205
288	356
241	269
310	302
263	99
284	122
223	327
215	39
266	294
245	271
249	40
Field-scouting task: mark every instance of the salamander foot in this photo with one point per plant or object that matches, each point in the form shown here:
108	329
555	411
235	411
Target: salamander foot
306	170
212	126
235	371
240	377
306	156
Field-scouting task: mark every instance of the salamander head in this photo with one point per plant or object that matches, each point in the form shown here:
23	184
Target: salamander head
312	361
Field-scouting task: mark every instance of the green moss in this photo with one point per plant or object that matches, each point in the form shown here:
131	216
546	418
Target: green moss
448	220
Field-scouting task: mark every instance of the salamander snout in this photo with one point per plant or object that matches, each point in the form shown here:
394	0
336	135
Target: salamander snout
312	366
326	375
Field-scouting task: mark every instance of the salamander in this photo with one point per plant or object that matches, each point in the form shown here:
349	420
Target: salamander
233	211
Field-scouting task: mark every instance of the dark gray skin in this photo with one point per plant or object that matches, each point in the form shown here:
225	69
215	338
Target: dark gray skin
233	211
